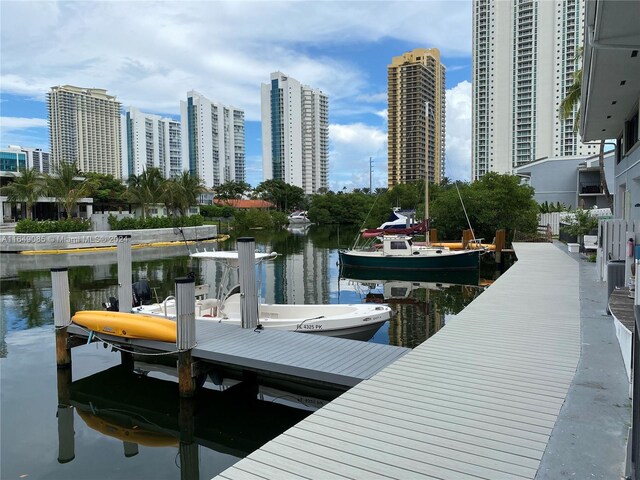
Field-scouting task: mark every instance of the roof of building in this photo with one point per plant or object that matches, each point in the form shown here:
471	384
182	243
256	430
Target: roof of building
244	203
610	69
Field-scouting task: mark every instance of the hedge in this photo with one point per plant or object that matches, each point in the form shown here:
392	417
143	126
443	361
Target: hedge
154	222
53	226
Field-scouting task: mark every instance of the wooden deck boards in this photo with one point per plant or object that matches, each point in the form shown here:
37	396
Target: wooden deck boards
477	400
312	357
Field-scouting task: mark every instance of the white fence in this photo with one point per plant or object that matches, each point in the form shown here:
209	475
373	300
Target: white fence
554	219
613	238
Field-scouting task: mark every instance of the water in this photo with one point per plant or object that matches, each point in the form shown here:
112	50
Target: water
132	425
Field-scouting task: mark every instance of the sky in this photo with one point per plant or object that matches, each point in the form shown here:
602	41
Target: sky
149	54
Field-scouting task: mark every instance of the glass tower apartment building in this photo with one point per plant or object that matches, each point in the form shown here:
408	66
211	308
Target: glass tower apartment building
213	145
151	141
524	59
295	133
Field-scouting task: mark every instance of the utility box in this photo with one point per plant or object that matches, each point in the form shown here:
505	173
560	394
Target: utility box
573	247
615	276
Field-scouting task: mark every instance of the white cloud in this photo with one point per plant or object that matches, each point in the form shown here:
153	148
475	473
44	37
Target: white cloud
458	137
351	147
150	54
13	123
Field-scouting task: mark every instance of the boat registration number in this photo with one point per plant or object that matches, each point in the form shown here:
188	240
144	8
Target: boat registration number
310	327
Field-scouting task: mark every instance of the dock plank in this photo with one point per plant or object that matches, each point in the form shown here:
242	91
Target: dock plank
477	400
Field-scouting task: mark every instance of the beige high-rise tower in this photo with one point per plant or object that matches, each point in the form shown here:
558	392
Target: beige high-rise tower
417	101
84	124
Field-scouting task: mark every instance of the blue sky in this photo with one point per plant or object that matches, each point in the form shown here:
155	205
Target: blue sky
149	54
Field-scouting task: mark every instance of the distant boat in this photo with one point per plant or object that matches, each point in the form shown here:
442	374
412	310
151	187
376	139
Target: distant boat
298	217
400	222
398	252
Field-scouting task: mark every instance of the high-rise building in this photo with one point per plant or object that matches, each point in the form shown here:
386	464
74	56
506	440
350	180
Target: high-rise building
212	140
524	58
295	133
84	127
150	141
37	159
416	112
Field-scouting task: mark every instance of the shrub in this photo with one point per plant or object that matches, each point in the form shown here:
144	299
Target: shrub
129	223
246	219
53	226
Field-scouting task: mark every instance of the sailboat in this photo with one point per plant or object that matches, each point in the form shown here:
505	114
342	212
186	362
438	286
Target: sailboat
399	252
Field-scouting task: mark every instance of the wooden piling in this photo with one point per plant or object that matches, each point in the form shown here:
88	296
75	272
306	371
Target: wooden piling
500	243
433	235
467	236
186	333
61	314
247	274
125	290
65	416
188	449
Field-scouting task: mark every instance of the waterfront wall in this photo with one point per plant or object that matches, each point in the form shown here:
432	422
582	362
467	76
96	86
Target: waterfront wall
18	242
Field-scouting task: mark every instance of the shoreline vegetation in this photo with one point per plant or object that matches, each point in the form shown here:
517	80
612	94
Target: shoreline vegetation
492	203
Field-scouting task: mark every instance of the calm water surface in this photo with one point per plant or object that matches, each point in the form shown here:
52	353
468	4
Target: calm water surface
102	421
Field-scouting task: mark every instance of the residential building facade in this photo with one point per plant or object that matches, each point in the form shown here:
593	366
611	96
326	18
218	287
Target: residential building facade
37	159
84	127
13	159
524	58
417	117
573	181
295	133
610	97
213	144
150	141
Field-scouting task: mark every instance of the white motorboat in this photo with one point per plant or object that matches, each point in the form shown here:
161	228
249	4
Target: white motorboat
298	218
323	319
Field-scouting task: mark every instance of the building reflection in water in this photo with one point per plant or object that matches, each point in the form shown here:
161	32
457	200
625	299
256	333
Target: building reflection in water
421	308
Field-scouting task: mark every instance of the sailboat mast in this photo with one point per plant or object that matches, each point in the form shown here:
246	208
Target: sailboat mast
426	166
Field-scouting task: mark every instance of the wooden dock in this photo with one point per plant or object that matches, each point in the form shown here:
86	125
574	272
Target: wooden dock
477	400
296	356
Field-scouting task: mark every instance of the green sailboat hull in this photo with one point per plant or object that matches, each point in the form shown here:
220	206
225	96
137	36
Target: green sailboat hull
467	260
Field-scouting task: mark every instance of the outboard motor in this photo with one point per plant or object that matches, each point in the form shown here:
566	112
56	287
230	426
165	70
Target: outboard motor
112	305
141	293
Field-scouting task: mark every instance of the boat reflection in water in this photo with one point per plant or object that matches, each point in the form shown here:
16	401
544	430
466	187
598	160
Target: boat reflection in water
142	410
422	302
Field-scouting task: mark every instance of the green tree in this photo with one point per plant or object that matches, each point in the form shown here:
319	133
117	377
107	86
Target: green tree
27	187
232	190
108	190
68	186
283	195
146	189
571	103
493	202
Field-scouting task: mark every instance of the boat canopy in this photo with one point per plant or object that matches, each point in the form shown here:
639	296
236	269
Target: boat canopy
231	257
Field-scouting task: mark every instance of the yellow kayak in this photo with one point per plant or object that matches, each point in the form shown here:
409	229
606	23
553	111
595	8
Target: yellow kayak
128	325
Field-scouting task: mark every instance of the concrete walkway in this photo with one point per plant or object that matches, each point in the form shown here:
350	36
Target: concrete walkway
590	435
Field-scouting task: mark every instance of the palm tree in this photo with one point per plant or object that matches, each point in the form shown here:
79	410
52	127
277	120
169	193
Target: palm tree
67	186
567	107
186	190
145	189
27	187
